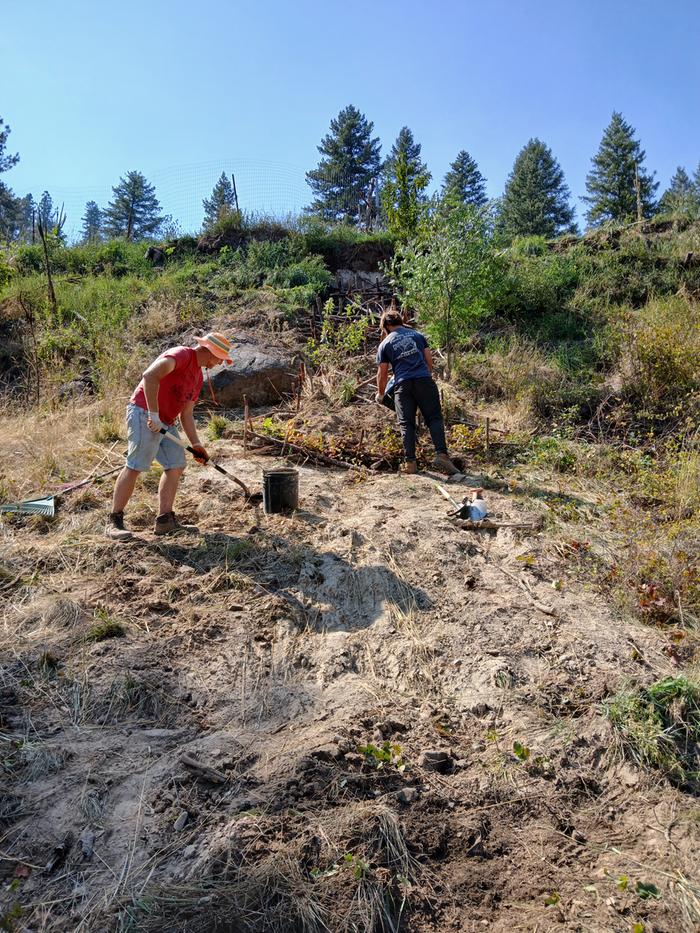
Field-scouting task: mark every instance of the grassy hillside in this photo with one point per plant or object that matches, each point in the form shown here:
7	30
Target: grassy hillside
389	721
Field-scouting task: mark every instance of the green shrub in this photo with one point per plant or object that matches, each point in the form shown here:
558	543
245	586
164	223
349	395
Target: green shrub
664	350
659	726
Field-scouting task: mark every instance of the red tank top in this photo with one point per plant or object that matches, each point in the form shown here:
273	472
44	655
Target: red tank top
176	389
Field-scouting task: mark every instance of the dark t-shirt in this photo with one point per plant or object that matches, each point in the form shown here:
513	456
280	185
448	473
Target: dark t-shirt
403	349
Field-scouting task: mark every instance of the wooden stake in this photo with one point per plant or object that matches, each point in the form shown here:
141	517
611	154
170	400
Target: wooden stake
245	422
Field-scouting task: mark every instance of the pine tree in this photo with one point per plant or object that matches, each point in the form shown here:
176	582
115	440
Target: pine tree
402	195
6	161
45	211
404	180
409	150
351	160
133	212
618	171
464	183
9	215
681	198
92	223
696	180
221	204
536	199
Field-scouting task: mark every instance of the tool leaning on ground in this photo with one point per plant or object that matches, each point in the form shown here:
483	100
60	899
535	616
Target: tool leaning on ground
178	440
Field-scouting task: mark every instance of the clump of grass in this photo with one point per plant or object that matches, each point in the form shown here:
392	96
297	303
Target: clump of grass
217	427
138	698
105	627
659	727
106	429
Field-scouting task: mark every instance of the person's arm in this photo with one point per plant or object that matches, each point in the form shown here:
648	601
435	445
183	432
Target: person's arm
190	429
382	379
151	383
428	356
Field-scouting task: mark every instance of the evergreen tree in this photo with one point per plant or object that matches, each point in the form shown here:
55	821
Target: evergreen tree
536	199
27	211
681	197
408	150
351	160
618	167
402	195
9	215
464	183
696	180
221	204
92	223
6	161
45	211
9	204
133	212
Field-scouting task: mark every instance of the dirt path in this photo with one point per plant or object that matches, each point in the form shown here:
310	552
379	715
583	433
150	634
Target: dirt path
403	716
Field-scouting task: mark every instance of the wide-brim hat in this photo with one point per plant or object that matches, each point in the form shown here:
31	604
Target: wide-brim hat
217	344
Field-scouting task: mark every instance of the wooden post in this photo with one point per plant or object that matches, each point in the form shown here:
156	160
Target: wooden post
488	436
245	422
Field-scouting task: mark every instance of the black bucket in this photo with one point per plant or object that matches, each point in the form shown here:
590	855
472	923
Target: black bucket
280	490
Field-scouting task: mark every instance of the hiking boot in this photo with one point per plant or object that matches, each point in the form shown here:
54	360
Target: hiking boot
169	525
443	463
115	529
410	466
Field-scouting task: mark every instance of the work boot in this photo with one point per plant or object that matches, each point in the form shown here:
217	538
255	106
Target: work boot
168	524
410	466
443	463
115	529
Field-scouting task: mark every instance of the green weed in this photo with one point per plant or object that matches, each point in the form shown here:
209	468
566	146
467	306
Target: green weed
659	726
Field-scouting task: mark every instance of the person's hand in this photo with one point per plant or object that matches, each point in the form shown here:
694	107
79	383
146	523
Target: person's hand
379	398
154	422
203	455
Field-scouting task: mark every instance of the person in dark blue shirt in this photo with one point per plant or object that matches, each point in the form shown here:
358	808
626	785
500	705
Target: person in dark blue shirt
407	352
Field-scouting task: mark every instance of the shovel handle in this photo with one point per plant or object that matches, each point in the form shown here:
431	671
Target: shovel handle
179	440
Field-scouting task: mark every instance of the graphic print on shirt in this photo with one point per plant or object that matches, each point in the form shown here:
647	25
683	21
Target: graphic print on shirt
404	346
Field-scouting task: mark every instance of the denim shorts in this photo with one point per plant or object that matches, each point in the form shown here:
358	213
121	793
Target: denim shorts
145	446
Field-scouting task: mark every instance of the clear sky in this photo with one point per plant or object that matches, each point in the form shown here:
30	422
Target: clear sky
181	90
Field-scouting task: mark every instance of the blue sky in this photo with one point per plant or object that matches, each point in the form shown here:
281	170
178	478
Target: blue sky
180	90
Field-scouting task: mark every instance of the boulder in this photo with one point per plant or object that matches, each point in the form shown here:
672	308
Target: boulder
262	375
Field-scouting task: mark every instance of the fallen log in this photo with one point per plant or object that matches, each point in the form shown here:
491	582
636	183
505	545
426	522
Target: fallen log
305	451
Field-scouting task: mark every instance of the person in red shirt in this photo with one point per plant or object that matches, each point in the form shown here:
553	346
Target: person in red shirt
168	390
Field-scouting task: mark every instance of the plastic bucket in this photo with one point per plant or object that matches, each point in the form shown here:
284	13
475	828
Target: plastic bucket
280	490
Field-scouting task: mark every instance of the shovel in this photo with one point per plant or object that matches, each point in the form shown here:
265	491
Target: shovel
178	440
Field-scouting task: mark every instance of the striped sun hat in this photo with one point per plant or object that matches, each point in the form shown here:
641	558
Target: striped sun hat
217	344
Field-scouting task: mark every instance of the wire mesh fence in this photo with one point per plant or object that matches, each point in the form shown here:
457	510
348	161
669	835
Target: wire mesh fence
263	188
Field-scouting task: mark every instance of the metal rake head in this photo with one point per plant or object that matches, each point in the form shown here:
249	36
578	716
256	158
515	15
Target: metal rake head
45	506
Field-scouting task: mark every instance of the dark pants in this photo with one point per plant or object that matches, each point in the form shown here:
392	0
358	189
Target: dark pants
410	396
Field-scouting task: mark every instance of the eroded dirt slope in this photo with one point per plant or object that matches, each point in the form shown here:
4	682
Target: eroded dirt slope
402	718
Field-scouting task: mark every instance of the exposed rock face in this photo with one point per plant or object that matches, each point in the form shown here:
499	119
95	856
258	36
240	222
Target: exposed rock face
262	375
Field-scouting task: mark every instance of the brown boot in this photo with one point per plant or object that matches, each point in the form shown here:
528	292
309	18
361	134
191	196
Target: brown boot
168	524
443	463
410	466
115	529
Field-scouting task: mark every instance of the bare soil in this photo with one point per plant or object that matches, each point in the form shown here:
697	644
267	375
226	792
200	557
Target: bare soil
276	650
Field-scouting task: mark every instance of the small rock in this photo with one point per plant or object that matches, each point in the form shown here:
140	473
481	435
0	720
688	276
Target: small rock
438	759
329	752
179	823
87	843
189	851
456	478
407	795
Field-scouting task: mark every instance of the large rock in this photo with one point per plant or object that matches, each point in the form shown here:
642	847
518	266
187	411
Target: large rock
263	376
